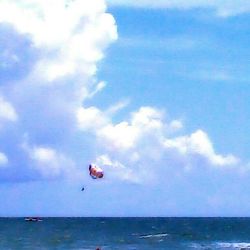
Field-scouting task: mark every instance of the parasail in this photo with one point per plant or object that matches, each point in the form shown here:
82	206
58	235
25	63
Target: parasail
95	172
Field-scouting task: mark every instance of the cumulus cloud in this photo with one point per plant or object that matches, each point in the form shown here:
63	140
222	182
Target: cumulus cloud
63	40
68	39
146	145
198	143
125	135
222	7
72	34
90	118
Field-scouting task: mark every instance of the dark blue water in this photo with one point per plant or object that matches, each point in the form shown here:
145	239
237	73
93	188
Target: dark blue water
125	233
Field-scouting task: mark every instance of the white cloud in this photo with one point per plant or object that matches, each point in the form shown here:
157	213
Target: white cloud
222	7
70	39
125	135
147	118
120	136
3	160
90	118
64	40
7	111
48	162
198	143
146	145
72	34
94	119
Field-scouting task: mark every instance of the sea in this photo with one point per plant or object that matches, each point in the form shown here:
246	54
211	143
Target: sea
125	233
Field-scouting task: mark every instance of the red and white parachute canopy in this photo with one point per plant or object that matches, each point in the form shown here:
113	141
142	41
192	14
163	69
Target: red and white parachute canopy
95	172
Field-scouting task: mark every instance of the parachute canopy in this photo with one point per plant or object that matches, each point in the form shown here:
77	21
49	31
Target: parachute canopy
95	172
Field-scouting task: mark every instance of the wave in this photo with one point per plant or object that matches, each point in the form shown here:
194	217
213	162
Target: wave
153	235
235	245
223	246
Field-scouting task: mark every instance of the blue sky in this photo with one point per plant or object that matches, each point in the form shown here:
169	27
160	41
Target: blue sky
155	93
184	61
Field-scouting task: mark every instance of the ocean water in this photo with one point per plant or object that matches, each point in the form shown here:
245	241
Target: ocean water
125	233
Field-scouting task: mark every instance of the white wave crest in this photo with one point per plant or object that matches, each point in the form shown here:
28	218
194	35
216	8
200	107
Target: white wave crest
153	235
235	245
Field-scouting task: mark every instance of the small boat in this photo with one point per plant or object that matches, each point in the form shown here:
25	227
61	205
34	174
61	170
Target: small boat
33	219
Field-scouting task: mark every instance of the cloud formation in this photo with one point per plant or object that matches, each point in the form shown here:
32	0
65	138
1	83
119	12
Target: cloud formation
61	43
67	39
146	145
223	8
72	35
198	143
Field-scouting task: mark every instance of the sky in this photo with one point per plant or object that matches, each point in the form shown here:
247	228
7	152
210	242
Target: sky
155	93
